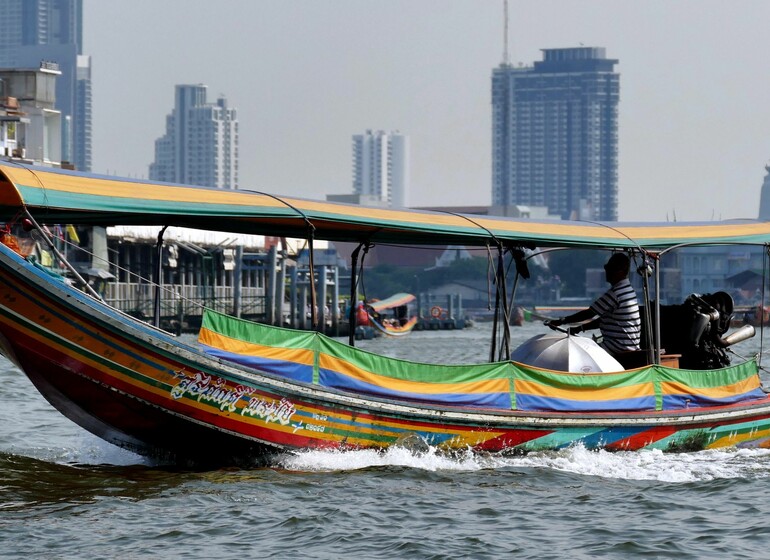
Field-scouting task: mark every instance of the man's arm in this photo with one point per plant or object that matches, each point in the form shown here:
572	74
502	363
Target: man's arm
579	317
594	324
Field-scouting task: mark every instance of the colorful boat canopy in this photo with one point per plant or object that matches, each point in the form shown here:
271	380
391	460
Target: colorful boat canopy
314	358
396	300
59	196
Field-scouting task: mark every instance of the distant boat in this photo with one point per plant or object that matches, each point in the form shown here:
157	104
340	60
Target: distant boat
391	315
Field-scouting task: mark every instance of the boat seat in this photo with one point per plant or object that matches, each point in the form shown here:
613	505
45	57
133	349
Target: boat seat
638	358
670	360
632	359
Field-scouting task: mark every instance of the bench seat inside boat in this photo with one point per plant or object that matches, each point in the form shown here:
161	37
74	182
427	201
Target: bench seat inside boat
639	358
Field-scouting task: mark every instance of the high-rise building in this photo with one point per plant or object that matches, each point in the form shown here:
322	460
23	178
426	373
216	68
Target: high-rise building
764	196
34	33
555	134
381	166
200	146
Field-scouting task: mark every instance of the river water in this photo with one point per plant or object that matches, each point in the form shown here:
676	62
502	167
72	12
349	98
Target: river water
66	494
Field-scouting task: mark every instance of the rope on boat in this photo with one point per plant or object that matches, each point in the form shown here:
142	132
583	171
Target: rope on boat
133	274
158	277
355	276
61	257
311	264
48	239
762	303
500	292
745	359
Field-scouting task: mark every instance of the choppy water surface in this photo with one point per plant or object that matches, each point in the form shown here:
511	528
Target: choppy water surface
67	494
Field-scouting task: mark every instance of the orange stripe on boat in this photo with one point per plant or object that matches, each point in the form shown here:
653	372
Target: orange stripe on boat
588	393
420	387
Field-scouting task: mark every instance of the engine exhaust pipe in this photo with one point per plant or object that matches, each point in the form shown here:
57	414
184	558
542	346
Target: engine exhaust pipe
743	333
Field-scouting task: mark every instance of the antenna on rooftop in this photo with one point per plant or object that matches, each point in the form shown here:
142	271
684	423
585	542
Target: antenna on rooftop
506	55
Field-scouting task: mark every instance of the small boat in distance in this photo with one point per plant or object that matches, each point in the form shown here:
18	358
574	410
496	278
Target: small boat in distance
246	392
390	316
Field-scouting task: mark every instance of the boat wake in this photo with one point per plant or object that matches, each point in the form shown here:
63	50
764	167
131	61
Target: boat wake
84	449
654	464
430	459
626	465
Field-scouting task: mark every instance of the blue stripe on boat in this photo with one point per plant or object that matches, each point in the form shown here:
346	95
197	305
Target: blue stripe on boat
290	370
333	379
532	402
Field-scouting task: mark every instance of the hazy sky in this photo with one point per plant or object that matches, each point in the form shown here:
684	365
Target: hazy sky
305	76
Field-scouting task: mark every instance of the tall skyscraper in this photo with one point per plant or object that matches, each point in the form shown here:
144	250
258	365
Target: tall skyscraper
381	166
555	134
44	31
200	146
764	197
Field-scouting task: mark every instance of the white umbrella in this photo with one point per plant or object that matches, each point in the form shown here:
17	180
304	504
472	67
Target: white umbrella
563	352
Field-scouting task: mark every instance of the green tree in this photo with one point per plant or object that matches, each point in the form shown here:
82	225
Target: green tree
384	280
571	265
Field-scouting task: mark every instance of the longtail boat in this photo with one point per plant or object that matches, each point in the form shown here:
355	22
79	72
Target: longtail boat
246	391
390	315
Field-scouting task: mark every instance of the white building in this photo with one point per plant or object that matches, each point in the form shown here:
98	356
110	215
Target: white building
32	31
200	146
30	126
381	167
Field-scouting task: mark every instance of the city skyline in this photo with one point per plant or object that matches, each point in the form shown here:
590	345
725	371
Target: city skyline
693	131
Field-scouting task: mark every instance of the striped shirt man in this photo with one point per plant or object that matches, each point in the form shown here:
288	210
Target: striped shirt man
619	320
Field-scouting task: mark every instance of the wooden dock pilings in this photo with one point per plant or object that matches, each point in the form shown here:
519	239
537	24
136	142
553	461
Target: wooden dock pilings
270	286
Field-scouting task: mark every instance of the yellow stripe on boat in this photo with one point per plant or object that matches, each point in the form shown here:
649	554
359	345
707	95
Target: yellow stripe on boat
420	387
724	391
587	393
296	355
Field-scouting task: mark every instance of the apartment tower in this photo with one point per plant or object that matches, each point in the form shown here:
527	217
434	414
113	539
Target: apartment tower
555	134
381	167
200	146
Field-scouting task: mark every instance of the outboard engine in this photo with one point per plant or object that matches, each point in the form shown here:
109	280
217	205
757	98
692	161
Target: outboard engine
695	330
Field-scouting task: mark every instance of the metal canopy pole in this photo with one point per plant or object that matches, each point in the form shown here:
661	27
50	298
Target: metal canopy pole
500	293
502	288
353	295
645	272
657	310
158	277
493	346
313	296
765	263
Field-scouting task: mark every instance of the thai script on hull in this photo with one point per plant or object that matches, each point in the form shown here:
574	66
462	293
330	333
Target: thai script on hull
214	390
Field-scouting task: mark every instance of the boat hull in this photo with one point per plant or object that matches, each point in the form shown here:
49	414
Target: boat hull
139	388
392	330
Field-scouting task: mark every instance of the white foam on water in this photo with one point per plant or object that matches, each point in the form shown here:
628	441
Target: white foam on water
396	456
623	465
654	464
91	450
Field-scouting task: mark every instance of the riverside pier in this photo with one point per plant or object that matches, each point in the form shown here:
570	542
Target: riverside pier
259	279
